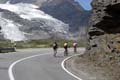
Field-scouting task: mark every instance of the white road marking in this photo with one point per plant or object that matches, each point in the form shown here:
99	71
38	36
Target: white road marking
14	63
63	66
10	72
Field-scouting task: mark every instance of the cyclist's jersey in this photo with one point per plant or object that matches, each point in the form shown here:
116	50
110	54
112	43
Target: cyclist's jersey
65	45
55	46
74	44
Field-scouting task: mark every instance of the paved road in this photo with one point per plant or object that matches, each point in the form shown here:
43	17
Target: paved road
44	67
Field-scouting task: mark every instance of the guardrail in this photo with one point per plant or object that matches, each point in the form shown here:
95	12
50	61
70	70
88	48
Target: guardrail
6	50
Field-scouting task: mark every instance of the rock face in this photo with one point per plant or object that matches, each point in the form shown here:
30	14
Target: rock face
104	36
104	31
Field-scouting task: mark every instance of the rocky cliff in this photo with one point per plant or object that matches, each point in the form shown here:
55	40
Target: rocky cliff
104	36
104	31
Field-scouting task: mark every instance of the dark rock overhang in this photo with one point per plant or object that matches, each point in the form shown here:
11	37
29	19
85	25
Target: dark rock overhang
110	23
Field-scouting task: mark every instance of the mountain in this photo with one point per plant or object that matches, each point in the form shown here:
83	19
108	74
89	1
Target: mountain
24	21
68	11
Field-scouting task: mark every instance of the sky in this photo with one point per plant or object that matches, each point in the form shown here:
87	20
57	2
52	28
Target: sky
85	4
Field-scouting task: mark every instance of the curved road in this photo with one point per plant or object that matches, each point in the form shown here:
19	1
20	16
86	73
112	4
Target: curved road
42	67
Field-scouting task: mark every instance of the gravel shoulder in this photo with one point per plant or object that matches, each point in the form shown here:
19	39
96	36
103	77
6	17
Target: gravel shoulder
85	69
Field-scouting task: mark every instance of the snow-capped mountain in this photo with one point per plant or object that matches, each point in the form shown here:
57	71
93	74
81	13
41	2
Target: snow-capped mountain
68	11
24	21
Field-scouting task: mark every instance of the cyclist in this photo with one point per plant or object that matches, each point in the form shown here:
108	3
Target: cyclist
55	47
66	49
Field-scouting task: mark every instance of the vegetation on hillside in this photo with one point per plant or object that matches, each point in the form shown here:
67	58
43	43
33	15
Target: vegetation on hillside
44	43
3	1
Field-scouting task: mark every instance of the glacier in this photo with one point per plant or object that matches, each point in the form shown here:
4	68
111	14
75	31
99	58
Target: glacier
29	17
11	30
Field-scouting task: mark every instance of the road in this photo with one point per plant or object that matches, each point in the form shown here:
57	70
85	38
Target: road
41	67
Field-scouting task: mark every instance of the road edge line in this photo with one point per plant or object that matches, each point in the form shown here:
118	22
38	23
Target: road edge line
70	73
10	71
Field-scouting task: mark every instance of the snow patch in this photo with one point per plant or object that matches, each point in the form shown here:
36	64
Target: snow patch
26	11
11	30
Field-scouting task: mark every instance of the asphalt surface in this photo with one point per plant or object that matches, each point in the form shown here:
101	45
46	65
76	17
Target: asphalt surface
43	67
